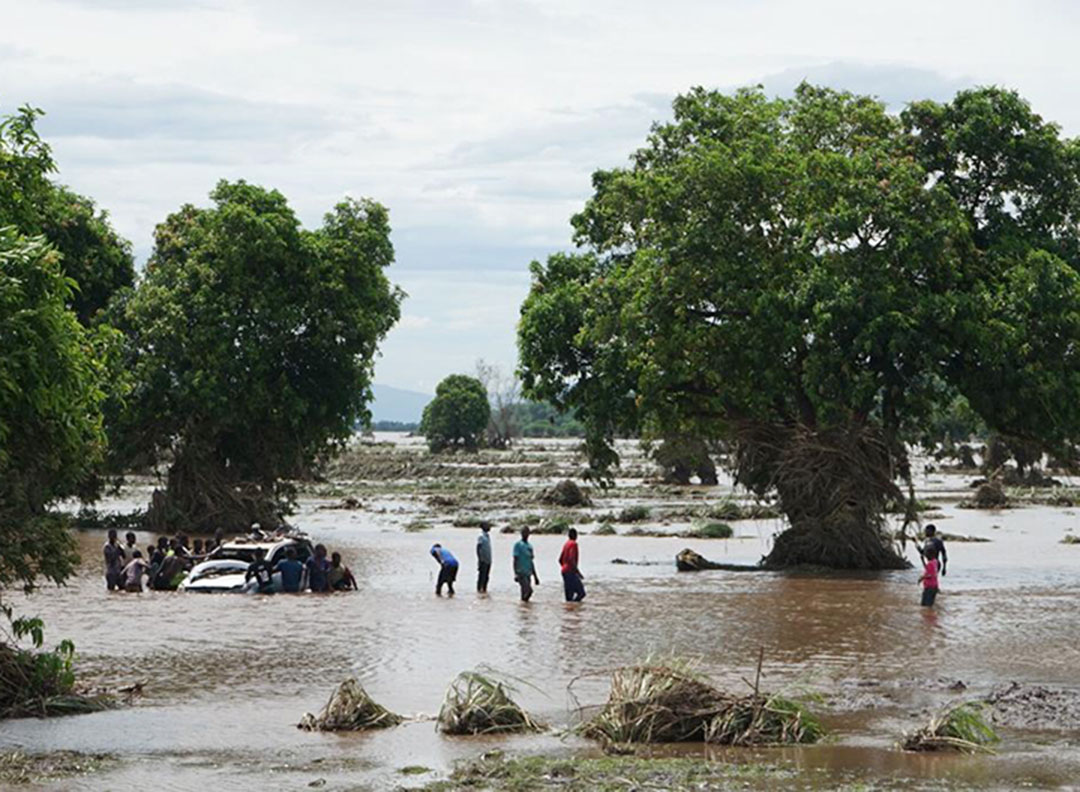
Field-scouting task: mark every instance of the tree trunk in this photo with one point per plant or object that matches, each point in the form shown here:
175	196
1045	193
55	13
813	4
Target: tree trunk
201	496
833	486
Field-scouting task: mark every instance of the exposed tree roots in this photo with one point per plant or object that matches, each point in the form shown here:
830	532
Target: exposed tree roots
833	486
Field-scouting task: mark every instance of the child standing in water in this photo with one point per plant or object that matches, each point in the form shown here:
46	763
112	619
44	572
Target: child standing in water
929	577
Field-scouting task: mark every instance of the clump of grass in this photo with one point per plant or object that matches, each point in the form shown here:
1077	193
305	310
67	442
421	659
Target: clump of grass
350	708
605	529
1071	539
670	702
632	514
656	703
710	530
416	526
479	704
760	720
725	510
552	525
962	728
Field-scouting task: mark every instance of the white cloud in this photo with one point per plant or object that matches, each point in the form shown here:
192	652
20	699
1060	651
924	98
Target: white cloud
478	122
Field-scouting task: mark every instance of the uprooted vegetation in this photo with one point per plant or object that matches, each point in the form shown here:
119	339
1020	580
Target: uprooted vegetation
961	728
35	683
566	494
670	702
476	703
350	708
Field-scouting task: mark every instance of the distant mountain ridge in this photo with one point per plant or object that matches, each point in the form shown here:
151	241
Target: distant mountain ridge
397	404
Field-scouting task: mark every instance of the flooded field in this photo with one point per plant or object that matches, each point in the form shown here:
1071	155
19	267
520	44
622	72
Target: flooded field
227	677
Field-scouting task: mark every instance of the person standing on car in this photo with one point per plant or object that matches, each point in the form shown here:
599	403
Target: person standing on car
318	569
259	570
483	558
448	569
292	571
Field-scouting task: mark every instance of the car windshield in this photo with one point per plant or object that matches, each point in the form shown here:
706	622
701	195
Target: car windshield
245	554
217	570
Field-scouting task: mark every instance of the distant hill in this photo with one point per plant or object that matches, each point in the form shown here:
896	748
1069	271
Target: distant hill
396	404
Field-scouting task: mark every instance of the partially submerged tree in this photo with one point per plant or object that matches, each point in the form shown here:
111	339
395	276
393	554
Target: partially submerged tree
798	278
251	342
458	415
51	390
91	253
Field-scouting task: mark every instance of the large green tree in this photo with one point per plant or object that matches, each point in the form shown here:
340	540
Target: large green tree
808	280
458	415
251	344
91	253
51	391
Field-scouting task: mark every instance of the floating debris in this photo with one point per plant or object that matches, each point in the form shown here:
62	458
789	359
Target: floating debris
350	708
479	704
962	728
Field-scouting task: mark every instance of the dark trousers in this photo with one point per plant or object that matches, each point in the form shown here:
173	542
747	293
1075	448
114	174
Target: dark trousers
447	576
525	581
573	586
482	575
112	580
928	596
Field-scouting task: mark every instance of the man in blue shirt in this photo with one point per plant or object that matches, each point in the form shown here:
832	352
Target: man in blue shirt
448	567
292	571
524	568
483	558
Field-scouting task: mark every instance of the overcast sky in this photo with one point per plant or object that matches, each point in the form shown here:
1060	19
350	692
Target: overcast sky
477	122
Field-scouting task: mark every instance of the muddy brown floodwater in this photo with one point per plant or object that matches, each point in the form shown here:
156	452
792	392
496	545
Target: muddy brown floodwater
227	677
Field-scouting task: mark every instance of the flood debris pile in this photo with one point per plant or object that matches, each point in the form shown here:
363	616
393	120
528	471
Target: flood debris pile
479	704
350	708
962	728
833	485
988	495
566	493
41	684
671	703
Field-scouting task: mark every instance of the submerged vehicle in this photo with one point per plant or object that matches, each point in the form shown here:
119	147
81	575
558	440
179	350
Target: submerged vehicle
226	569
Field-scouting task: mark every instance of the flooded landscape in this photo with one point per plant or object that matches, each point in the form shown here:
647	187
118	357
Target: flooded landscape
226	678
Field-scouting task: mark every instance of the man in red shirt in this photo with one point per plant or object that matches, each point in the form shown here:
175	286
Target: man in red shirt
571	575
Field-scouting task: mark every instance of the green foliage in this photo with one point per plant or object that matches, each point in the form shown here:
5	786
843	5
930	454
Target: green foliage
962	728
458	415
92	254
713	530
251	342
51	392
633	514
816	262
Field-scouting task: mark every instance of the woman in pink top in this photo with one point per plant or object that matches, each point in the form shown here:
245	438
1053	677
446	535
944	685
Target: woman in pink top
929	578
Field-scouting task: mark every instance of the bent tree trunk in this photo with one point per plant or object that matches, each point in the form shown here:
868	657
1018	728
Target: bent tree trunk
202	494
833	487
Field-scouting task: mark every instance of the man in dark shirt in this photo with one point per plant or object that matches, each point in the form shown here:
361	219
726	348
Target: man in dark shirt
114	561
933	541
318	569
292	571
260	570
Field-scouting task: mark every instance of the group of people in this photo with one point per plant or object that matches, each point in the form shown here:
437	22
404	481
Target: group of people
168	561
164	566
524	565
318	574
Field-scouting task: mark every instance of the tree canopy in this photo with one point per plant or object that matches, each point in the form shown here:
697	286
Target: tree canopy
251	345
808	280
91	253
51	390
458	415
